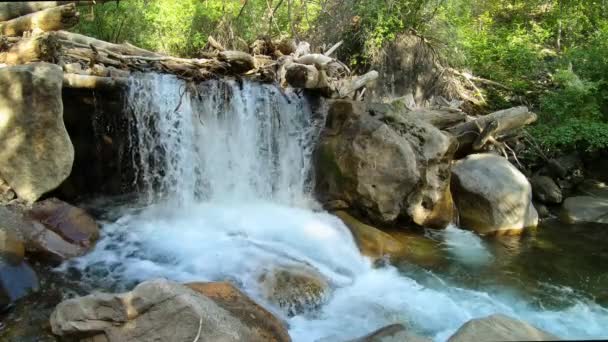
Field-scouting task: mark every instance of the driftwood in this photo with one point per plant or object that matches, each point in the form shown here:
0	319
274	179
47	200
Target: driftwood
80	40
239	61
474	134
305	76
51	19
348	86
93	82
39	48
215	44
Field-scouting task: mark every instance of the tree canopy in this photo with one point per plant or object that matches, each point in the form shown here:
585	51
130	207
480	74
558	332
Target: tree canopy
550	54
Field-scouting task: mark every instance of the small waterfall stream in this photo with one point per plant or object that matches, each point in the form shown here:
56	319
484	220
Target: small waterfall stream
225	175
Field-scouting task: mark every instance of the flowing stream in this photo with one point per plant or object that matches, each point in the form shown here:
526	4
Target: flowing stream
225	181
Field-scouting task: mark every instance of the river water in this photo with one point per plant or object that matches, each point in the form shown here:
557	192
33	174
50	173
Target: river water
224	177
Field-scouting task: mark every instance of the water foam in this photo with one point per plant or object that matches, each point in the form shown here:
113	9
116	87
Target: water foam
225	167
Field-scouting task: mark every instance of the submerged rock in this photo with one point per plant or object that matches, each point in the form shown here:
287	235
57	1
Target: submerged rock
499	328
492	196
37	153
231	299
391	333
156	310
295	289
545	190
385	170
372	242
585	209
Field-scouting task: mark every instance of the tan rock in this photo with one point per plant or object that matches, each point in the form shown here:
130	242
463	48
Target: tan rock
11	247
391	333
231	299
37	153
372	242
499	328
156	310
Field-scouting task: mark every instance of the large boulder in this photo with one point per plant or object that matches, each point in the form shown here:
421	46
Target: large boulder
372	242
295	289
157	310
585	209
386	170
491	195
231	299
37	153
499	328
545	190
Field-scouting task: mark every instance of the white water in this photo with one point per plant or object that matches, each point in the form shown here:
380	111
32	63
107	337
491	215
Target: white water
225	170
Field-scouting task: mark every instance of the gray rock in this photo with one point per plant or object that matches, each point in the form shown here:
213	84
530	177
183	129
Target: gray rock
157	310
491	195
385	170
17	280
391	333
581	209
499	328
545	190
37	153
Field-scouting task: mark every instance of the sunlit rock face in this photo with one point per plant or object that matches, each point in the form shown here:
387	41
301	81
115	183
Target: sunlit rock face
37	153
386	170
492	196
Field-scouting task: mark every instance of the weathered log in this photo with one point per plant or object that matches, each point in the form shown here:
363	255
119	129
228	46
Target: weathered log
14	9
89	56
302	49
239	61
506	121
51	19
347	87
285	46
93	82
305	76
215	44
333	48
103	71
314	59
39	48
80	40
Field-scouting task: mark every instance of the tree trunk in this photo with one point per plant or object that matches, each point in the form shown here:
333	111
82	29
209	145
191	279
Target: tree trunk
305	76
14	9
497	123
93	82
50	19
39	48
239	61
80	40
349	86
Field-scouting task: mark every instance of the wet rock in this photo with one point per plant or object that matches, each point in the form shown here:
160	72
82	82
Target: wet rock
588	209
492	196
372	242
73	224
229	298
11	247
387	170
16	281
38	240
542	210
391	333
593	188
545	190
499	328
295	289
37	153
156	310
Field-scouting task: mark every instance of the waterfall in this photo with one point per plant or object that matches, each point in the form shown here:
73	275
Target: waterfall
224	169
221	140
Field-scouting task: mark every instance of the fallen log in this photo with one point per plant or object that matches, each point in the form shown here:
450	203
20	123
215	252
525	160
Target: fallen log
347	87
93	82
51	19
14	9
80	40
305	76
39	48
215	44
239	61
473	135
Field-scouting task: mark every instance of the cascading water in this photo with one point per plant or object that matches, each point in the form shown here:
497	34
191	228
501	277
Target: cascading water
225	170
